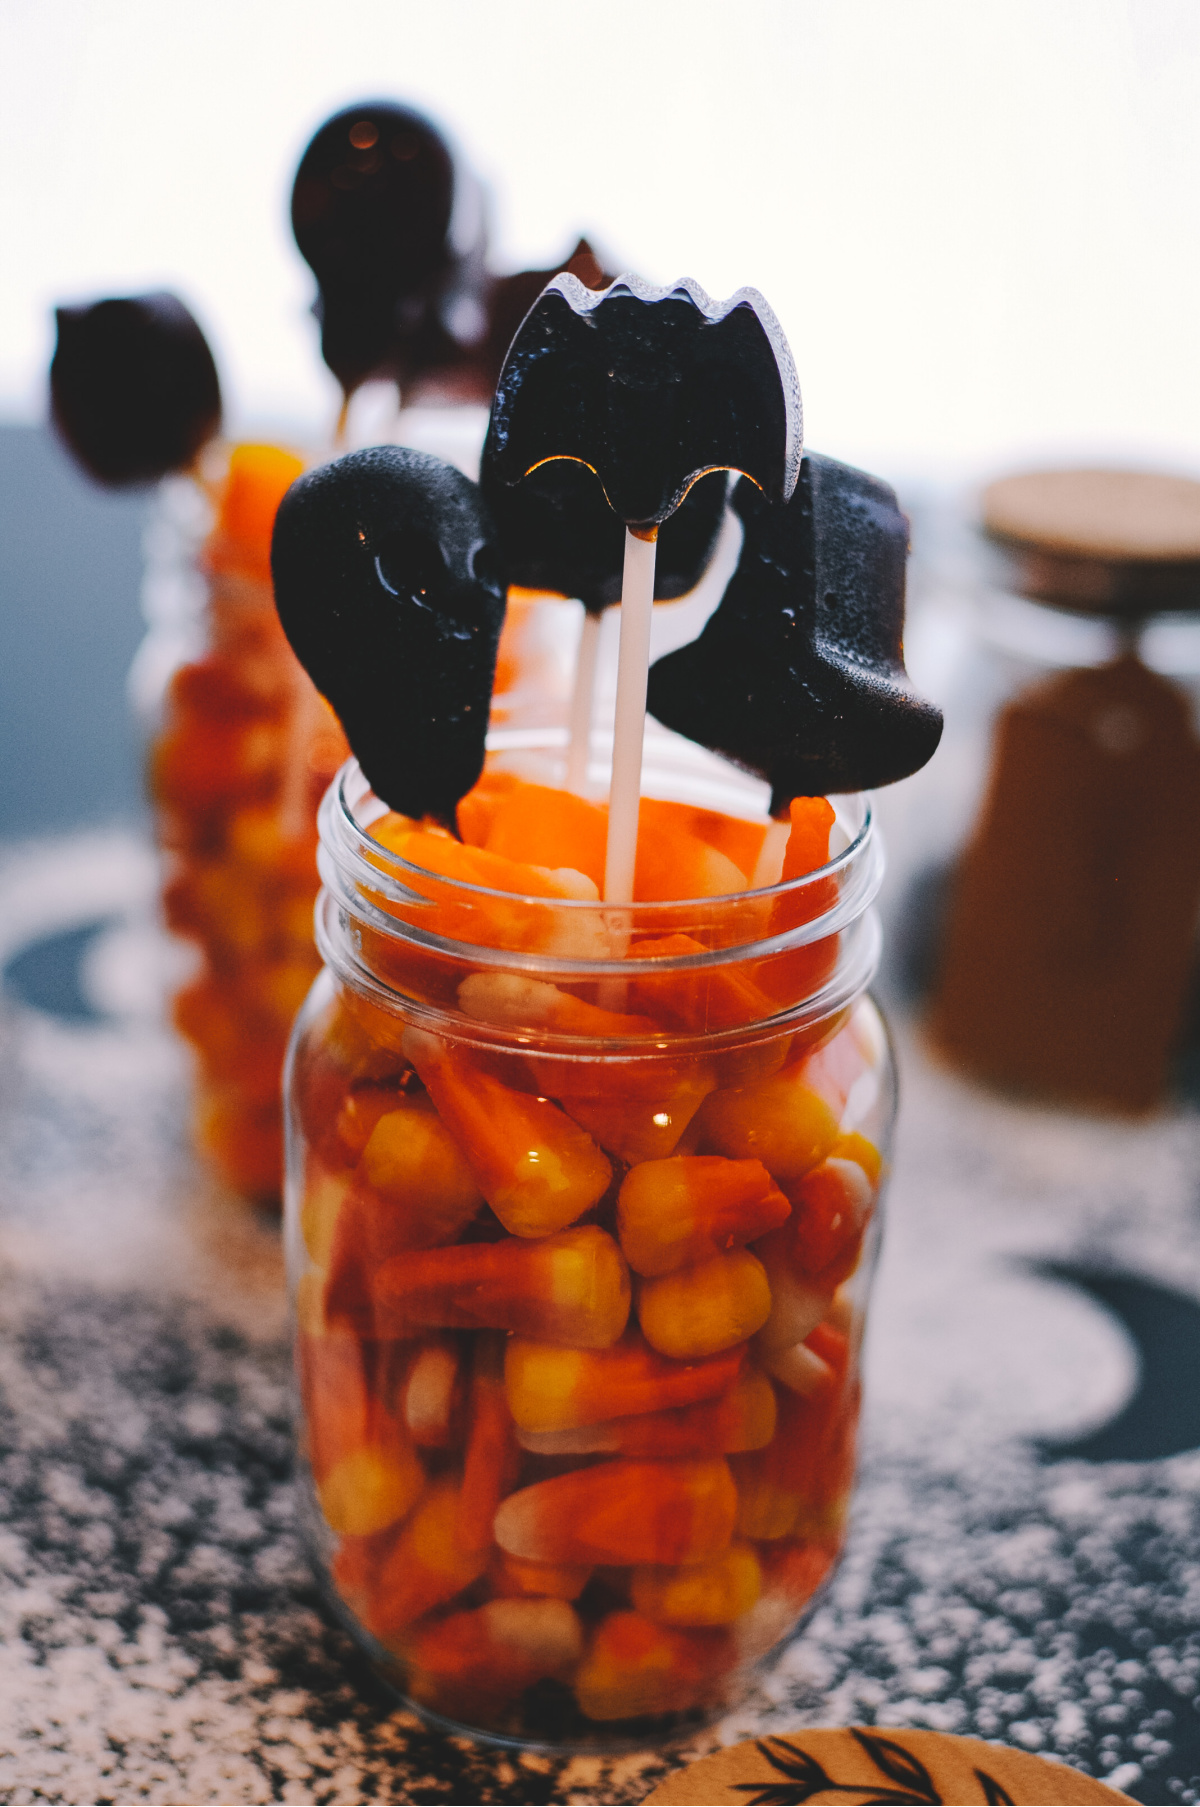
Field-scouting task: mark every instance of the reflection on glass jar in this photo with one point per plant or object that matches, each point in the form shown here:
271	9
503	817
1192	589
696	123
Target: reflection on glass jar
582	1206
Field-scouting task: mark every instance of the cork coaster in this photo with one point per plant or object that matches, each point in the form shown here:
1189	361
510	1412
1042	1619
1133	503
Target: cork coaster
1119	515
861	1763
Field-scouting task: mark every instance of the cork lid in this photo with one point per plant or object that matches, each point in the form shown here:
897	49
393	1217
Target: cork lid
864	1763
1101	541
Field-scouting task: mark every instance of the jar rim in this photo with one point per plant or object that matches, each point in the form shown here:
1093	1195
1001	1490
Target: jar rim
362	877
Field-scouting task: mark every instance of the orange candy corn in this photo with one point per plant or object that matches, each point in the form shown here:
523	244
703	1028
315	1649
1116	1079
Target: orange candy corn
514	1578
831	1205
808	844
573	1288
701	1310
423	1567
706	1593
801	1480
372	1487
537	1169
474	1664
634	1669
412	1160
477	809
324	1195
636	1110
780	1121
259	476
700	998
741	1419
560	1388
674	862
682	1210
492	1458
431	1393
623	1512
551	828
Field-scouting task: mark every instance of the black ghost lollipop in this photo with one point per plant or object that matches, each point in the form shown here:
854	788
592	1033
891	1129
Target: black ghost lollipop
652	389
393	230
133	387
388	585
799	674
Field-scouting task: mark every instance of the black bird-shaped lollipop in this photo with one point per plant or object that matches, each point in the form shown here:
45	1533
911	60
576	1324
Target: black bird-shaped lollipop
390	589
799	674
133	387
652	389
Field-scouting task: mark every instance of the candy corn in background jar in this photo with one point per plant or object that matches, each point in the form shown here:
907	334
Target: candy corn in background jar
243	749
582	1206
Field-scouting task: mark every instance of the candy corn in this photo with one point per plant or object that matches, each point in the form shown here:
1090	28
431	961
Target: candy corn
425	1566
492	1457
701	1310
705	1593
635	1669
558	1387
623	1512
780	1121
474	1664
674	1212
514	1578
537	1169
432	1393
743	1418
573	1287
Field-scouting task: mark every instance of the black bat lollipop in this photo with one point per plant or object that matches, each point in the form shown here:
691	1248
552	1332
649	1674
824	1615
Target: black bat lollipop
400	281
652	389
389	587
799	674
558	533
133	387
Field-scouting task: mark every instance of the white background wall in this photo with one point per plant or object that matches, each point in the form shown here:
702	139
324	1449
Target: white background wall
978	219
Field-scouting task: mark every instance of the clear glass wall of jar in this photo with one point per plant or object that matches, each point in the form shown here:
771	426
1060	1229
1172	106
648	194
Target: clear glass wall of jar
582	1206
243	748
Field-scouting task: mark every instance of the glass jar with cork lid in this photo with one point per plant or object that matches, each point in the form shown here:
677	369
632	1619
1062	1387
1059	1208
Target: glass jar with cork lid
1070	931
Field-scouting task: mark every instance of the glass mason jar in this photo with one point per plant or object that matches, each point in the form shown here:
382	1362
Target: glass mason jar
581	1216
243	749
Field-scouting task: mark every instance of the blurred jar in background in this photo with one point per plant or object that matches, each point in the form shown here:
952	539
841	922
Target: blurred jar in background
243	749
1061	896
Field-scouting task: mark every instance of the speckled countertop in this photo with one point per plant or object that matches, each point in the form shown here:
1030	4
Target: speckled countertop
1025	1558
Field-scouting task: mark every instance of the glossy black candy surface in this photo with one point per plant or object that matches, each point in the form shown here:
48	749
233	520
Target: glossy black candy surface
558	533
799	674
389	587
650	388
372	208
133	387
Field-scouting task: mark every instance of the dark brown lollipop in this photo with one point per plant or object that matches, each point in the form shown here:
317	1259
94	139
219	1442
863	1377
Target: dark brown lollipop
133	387
799	674
373	211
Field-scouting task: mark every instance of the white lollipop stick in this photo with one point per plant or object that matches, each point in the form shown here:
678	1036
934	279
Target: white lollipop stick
629	727
583	703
